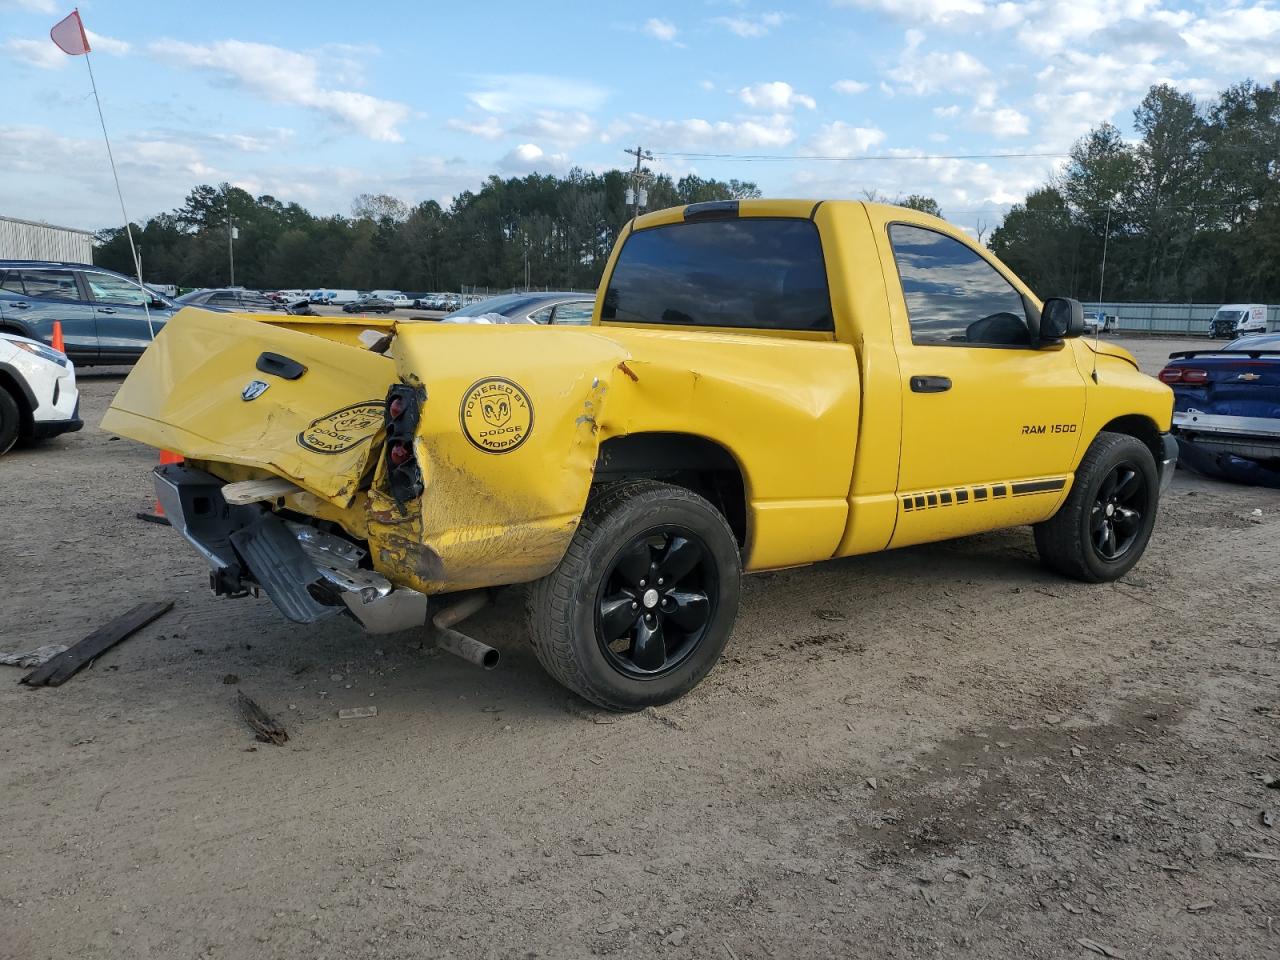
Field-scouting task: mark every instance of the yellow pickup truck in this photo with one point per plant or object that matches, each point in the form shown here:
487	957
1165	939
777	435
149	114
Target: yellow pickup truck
764	384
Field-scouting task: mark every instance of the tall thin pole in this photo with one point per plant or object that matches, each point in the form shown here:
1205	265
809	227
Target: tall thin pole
133	251
1101	317
640	154
231	245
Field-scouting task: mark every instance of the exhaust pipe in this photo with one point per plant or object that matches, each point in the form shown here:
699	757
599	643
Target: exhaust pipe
459	644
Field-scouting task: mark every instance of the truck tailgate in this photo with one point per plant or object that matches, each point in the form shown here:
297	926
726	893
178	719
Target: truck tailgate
191	393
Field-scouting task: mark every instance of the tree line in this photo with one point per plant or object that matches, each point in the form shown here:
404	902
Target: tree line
1189	212
542	230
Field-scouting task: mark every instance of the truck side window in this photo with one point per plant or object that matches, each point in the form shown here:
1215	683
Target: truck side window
955	297
749	272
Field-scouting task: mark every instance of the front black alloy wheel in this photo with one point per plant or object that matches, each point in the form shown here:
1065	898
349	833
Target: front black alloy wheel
1103	527
656	601
1115	520
640	607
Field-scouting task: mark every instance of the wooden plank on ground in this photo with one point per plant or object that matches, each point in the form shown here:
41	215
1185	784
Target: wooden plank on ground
65	665
264	725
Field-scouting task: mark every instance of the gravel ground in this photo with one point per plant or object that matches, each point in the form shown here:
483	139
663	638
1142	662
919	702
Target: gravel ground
940	751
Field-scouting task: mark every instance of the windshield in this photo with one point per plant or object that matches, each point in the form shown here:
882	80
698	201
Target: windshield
506	305
1232	315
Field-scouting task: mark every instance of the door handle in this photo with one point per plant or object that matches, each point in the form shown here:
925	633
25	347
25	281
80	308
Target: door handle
930	384
106	309
21	305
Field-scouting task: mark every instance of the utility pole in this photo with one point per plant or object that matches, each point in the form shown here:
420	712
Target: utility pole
640	154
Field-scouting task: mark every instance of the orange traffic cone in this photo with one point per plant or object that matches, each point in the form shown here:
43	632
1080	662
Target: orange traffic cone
57	337
157	512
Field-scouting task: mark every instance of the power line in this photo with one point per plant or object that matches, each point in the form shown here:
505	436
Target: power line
763	157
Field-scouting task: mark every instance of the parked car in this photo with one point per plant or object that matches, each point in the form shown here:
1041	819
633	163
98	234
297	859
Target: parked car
1226	409
336	297
549	308
106	317
369	305
1238	319
231	298
1096	323
38	395
745	399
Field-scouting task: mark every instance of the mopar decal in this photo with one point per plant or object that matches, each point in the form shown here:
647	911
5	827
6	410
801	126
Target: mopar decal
343	429
496	415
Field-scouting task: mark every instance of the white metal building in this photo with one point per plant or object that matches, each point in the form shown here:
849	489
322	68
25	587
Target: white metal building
28	240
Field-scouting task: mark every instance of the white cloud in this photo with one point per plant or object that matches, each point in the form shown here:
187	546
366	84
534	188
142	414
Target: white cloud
567	129
776	95
663	30
840	139
520	92
35	53
529	157
35	6
914	11
924	73
695	133
100	44
285	76
45	55
751	25
1001	122
488	129
849	87
1226	33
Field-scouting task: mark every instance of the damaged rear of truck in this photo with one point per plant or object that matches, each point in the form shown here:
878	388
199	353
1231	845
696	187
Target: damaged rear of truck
360	476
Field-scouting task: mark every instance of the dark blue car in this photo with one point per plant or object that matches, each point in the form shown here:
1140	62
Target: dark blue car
1226	409
106	317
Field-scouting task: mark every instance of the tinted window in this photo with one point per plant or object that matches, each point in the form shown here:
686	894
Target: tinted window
223	300
722	273
108	289
11	282
574	313
51	284
541	316
953	295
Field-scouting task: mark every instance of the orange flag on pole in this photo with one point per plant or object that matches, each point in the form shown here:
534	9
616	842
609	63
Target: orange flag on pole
69	35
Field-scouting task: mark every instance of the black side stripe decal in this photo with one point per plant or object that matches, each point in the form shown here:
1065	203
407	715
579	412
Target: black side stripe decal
980	493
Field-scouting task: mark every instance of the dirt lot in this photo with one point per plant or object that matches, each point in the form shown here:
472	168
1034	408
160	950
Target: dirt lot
942	751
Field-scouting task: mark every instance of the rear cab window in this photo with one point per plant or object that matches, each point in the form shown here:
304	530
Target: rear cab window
749	272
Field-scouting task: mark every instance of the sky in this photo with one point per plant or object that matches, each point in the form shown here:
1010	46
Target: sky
318	102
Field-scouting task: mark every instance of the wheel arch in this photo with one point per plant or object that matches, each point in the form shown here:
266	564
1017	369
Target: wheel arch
687	460
1141	428
22	395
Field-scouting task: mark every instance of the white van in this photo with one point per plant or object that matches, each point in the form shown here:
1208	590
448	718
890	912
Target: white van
1236	319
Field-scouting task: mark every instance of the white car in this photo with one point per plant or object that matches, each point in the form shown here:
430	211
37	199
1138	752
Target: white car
38	395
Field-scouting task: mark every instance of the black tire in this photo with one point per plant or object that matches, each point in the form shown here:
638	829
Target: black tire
629	527
10	421
1094	536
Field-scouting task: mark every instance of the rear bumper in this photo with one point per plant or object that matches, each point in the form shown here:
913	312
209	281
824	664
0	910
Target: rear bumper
309	574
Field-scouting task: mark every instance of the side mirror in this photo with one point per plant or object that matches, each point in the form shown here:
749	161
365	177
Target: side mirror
158	304
1061	318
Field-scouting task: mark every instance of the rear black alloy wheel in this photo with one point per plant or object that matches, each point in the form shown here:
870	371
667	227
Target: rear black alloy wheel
1116	518
656	602
640	607
1103	527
